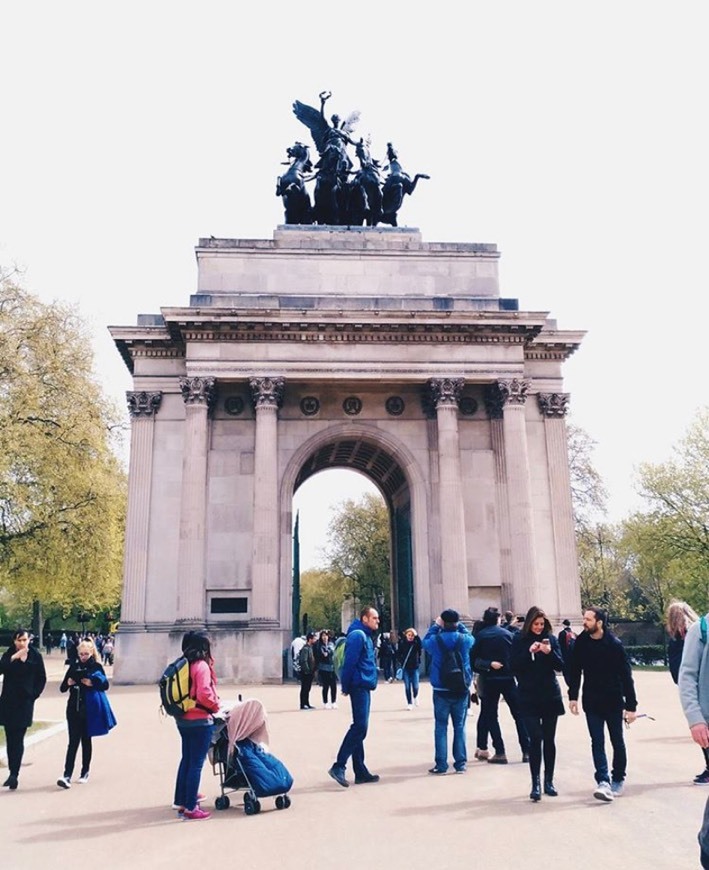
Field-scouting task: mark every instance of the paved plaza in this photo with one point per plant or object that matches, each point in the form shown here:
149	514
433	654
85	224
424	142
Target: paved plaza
121	818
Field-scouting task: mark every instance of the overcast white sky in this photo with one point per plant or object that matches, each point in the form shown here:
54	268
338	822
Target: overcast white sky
572	135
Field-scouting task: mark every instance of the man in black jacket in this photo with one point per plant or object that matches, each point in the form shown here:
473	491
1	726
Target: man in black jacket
493	645
608	697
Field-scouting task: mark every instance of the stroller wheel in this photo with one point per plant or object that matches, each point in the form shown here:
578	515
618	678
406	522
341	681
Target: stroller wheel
222	802
251	805
280	803
286	801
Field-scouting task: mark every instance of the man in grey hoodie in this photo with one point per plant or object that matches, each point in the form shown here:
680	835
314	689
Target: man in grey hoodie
694	696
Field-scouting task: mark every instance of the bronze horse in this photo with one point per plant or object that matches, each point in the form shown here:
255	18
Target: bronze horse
291	186
365	199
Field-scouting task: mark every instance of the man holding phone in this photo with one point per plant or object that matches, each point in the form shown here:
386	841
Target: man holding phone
608	698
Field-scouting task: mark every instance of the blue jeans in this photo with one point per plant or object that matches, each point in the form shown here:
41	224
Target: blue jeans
411	683
195	744
447	706
614	720
353	744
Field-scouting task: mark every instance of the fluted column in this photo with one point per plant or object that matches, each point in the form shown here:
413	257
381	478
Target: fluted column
553	407
267	395
198	394
142	407
494	406
445	394
512	396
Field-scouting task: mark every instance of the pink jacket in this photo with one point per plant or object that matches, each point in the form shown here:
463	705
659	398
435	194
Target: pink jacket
203	690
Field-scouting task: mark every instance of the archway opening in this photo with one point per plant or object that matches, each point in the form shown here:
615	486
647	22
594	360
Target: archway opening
359	470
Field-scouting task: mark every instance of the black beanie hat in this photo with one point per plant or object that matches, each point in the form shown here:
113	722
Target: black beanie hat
450	616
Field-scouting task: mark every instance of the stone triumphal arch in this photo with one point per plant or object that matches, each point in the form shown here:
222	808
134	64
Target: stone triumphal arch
363	348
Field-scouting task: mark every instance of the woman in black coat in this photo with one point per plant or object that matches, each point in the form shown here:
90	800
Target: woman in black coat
24	679
85	675
535	660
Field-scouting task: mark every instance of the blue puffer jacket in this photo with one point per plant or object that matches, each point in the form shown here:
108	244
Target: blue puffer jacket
359	669
464	640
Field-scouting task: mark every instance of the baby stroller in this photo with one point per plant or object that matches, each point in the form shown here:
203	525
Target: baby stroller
241	761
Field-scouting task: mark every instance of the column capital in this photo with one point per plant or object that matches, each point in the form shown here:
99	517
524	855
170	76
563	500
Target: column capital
553	404
267	391
442	392
143	404
505	392
198	391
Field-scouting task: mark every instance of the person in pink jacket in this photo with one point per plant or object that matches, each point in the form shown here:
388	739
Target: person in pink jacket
196	725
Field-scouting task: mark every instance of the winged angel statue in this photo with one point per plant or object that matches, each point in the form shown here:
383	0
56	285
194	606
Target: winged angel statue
343	195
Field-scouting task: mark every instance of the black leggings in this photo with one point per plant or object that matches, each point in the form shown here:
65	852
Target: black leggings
77	735
15	738
328	680
541	731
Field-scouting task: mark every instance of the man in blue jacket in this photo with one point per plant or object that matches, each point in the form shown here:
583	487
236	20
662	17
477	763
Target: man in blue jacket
358	679
446	634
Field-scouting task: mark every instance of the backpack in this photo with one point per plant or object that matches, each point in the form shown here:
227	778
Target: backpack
338	658
175	685
451	668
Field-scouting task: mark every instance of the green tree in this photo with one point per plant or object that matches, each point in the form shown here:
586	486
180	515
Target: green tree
359	552
322	594
677	492
62	489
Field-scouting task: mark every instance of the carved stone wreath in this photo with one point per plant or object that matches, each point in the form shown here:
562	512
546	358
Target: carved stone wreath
352	405
309	405
395	406
234	405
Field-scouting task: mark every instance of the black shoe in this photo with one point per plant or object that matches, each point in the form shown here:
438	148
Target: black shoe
436	770
339	776
368	777
536	792
10	782
550	790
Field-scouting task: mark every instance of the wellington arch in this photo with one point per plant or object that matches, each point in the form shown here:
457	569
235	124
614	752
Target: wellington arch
356	347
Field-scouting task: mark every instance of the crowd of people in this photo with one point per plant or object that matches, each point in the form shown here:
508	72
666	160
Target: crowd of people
519	662
518	659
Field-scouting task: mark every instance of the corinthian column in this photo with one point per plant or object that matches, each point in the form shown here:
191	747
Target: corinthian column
512	397
553	407
445	394
267	395
198	394
142	408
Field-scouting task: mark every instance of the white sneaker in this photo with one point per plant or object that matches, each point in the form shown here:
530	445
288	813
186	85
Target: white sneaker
328	706
64	782
333	706
83	779
416	702
603	792
409	706
618	788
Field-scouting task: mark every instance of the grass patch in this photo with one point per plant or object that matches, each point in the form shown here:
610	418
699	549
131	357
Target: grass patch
36	726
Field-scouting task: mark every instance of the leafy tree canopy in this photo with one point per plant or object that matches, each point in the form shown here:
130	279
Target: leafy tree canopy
62	489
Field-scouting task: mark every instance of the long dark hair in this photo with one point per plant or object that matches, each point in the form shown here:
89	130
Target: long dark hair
532	614
196	646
